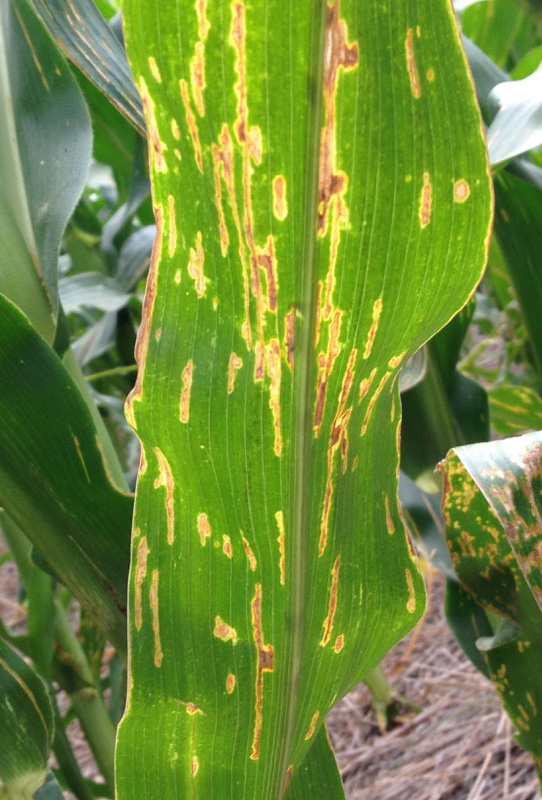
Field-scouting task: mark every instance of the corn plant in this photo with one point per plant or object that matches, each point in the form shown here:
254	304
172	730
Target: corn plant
323	203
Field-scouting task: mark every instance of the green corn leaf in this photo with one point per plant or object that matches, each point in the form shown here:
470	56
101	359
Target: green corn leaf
515	409
86	38
322	200
492	509
53	478
518	210
45	146
26	726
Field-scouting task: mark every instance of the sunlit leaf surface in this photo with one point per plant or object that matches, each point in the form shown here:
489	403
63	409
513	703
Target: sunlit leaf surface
322	201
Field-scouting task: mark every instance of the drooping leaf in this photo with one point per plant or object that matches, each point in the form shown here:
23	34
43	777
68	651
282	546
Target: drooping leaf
45	146
85	37
26	726
493	508
517	126
91	290
53	479
322	202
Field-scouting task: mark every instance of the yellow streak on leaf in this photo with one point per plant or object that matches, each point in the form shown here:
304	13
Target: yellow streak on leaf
195	266
426	201
265	655
192	124
389	519
280	203
141	571
165	478
411	603
204	529
154	69
279	517
312	726
332	606
226	546
252	563
411	64
377	310
235	363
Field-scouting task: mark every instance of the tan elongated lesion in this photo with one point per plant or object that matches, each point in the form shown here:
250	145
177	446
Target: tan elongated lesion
426	201
156	146
184	403
251	558
280	201
279	517
204	528
140	573
377	311
411	602
326	363
153	596
226	546
191	123
411	64
338	442
372	402
332	603
312	726
274	372
196	265
230	683
265	663
235	363
289	331
172	241
165	478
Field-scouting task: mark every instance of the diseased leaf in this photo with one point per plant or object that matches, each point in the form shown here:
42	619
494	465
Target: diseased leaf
515	409
26	726
322	202
85	37
492	509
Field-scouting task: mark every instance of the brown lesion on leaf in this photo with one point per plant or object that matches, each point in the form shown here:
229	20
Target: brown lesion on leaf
289	331
184	404
224	169
279	518
326	362
426	201
378	391
153	596
165	478
365	385
226	546
389	519
196	264
80	456
377	310
224	631
338	441
191	123
274	372
332	604
259	362
203	23
156	146
339	643
312	726
266	260
339	54
143	335
289	772
230	683
197	77
140	573
235	364
411	602
195	766
265	663
411	64
204	529
172	222
280	202
252	563
396	361
461	191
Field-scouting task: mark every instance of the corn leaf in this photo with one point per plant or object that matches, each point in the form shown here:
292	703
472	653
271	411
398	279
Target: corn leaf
322	200
492	510
26	726
45	146
515	409
53	479
86	39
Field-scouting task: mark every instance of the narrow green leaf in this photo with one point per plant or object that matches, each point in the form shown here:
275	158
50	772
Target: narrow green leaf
322	201
53	479
85	37
45	147
492	508
26	726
